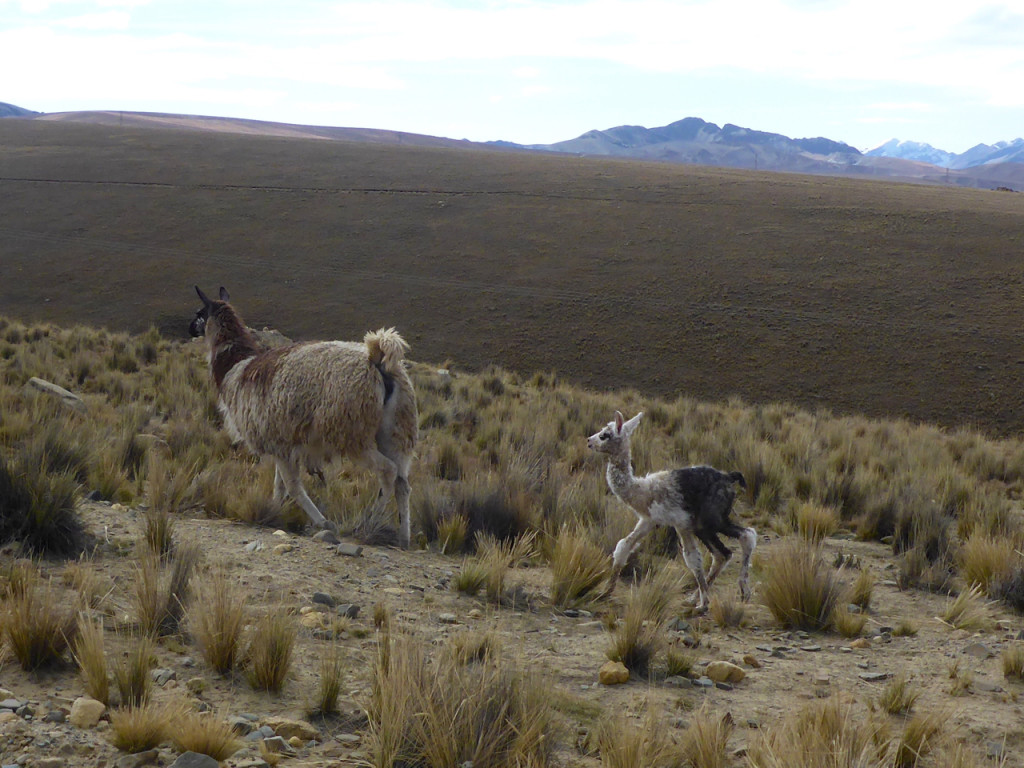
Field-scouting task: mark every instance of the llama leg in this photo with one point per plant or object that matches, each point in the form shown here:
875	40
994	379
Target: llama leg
748	541
624	549
288	473
402	491
720	555
695	562
279	489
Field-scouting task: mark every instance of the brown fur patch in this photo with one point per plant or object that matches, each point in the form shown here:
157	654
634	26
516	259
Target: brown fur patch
261	371
232	343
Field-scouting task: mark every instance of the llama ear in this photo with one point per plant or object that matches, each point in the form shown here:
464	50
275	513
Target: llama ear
618	421
632	424
206	301
224	294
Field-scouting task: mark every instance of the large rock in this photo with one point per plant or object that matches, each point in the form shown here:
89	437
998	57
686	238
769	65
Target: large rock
724	672
288	728
70	399
86	712
194	760
613	673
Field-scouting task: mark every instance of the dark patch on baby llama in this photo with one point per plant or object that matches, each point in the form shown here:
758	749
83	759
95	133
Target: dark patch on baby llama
709	494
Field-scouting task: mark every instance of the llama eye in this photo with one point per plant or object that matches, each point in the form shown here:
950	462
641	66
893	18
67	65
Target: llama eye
604	435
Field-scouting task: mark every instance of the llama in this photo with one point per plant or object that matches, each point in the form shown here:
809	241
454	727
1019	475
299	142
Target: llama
303	404
696	501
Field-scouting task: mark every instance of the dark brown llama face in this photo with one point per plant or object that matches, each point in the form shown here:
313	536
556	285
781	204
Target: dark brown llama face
197	327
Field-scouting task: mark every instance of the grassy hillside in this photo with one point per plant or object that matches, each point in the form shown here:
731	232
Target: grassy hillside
874	298
888	551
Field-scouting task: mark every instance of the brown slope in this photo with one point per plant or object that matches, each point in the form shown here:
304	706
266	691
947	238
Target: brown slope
884	298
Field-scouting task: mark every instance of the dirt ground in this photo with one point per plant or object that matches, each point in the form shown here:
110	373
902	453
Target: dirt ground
567	650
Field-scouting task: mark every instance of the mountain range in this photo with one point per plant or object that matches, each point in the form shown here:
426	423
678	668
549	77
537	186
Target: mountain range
690	140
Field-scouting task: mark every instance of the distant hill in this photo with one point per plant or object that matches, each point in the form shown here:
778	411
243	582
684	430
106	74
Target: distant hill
10	110
980	154
693	140
690	140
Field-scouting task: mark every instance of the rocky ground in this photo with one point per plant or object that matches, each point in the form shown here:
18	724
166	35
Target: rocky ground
783	670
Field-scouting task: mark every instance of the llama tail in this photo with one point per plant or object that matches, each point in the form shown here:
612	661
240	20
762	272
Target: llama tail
386	349
737	477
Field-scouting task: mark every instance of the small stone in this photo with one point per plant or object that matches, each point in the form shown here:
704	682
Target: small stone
313	620
986	686
326	536
724	686
254	546
194	760
822	677
281	534
139	759
861	642
724	672
810	648
11	704
322	598
295	742
48	762
751	661
6	716
277	745
703	682
283	549
241	725
994	750
195	685
86	712
874	677
447	618
163	676
289	729
979	651
348	738
349	610
55	716
677	681
349	550
613	673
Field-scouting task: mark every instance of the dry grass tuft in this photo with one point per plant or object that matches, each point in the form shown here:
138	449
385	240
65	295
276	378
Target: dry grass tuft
131	672
217	619
623	745
92	660
39	625
451	534
704	742
861	590
727	612
824	734
846	622
140	728
813	522
987	560
799	589
638	637
161	589
578	568
448	713
1013	661
269	657
969	610
328	688
920	736
206	734
898	696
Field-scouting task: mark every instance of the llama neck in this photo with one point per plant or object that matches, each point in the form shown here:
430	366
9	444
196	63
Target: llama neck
620	477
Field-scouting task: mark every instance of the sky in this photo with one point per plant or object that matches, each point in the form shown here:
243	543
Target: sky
949	73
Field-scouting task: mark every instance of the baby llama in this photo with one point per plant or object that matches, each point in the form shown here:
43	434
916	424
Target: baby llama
696	501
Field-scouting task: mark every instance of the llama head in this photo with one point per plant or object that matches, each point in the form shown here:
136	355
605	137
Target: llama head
197	327
615	435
